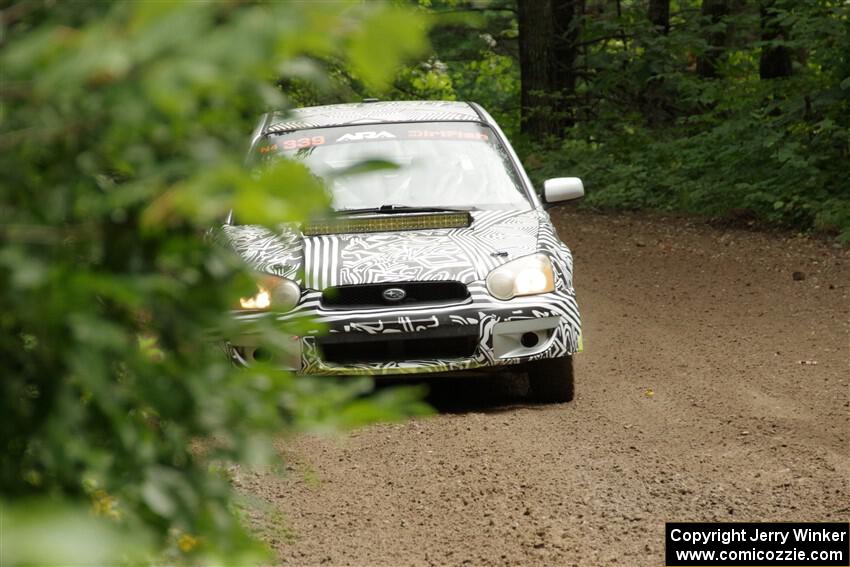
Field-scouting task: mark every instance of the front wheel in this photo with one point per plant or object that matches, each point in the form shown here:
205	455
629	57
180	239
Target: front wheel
551	380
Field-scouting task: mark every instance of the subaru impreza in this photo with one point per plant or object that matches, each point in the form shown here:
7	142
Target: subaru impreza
448	261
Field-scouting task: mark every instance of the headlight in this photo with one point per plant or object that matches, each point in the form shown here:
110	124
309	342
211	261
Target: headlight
273	293
529	275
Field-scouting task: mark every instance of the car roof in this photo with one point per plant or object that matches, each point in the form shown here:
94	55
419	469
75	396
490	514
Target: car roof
371	113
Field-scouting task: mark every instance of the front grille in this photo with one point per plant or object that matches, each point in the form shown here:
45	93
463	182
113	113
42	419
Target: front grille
447	343
372	295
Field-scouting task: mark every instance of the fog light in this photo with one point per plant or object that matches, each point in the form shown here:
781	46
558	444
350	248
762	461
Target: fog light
529	340
261	355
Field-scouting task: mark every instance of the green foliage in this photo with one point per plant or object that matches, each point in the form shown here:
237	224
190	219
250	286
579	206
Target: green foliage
370	58
652	134
649	132
474	59
124	127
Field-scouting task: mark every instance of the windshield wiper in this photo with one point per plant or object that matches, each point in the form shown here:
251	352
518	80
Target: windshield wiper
394	209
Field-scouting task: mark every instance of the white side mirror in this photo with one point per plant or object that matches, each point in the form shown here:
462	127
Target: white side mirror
562	189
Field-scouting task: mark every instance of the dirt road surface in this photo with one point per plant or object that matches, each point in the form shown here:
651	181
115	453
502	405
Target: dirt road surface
714	386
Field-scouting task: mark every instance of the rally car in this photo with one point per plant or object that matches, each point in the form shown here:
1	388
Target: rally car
446	262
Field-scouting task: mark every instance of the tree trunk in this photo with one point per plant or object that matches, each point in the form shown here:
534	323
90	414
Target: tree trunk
535	47
654	102
565	26
712	12
548	33
775	61
659	15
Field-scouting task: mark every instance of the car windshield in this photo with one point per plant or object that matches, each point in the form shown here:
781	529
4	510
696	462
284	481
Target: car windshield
454	165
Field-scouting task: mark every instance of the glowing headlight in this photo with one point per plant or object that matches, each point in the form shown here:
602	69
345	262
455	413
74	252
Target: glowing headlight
529	275
273	292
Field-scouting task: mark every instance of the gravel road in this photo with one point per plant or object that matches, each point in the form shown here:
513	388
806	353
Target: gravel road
714	386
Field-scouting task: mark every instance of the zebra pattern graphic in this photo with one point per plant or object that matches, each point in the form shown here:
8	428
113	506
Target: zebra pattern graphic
464	255
564	341
279	253
459	254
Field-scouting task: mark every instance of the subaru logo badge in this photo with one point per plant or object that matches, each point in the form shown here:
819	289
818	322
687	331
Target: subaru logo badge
394	294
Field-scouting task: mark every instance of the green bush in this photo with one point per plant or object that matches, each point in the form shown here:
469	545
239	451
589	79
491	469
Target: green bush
772	164
124	128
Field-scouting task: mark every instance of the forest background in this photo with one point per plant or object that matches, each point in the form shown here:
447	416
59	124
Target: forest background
730	109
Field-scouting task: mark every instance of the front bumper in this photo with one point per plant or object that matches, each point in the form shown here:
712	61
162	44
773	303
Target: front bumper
479	332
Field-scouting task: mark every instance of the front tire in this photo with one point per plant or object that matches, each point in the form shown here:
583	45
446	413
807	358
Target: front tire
551	380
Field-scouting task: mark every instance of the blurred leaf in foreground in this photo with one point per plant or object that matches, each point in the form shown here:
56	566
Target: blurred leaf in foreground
124	129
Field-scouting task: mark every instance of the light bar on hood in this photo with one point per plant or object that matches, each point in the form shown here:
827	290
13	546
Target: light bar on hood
386	223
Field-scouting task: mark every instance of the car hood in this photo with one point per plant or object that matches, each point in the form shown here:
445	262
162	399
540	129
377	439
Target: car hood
460	254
